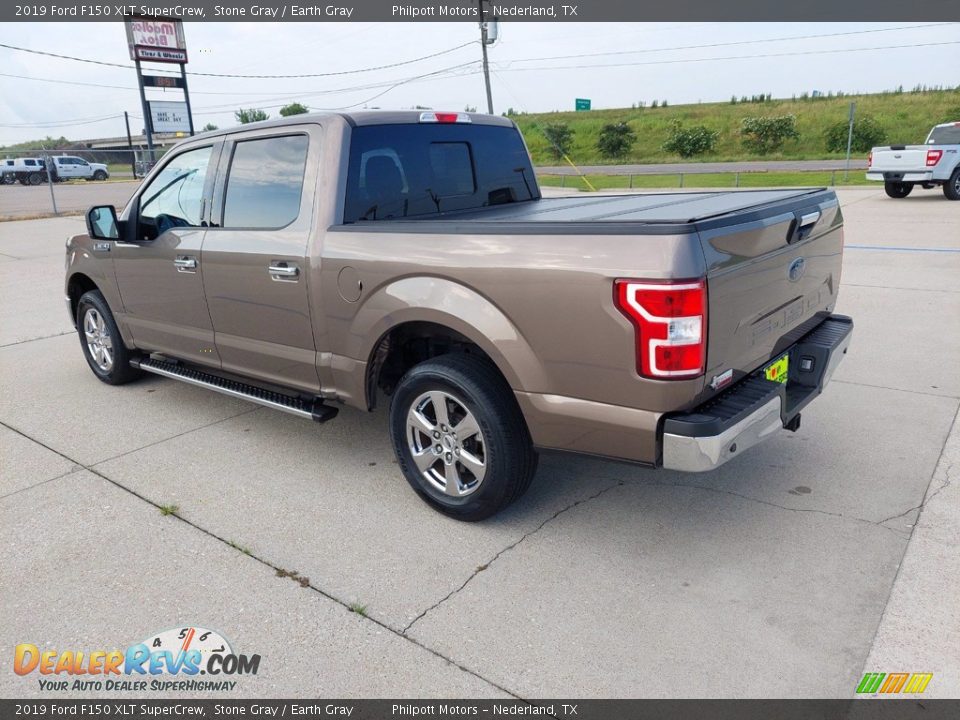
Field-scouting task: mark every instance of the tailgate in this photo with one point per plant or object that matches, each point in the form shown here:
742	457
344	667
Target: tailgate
772	275
899	159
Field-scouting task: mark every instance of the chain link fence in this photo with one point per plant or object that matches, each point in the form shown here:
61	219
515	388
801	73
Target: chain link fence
40	183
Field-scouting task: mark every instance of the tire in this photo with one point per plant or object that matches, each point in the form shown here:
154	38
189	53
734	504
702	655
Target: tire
502	461
951	188
101	341
898	189
35	179
99	175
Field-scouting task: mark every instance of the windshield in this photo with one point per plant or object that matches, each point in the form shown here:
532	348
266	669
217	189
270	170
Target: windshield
399	171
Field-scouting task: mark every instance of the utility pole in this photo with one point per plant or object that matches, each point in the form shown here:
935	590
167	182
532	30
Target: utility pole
484	41
133	155
147	124
186	96
846	171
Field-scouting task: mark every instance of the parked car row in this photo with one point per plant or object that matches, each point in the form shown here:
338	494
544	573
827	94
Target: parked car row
35	170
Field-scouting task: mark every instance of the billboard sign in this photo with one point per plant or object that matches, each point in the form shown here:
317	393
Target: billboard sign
156	40
169	117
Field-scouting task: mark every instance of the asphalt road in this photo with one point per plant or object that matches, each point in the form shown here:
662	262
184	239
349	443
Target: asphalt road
25	201
705	167
788	572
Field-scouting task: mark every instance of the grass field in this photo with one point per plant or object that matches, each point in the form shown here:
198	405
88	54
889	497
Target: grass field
905	117
707	180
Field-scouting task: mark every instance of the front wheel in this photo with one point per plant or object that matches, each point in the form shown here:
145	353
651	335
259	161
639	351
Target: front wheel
898	189
99	175
951	188
460	438
101	342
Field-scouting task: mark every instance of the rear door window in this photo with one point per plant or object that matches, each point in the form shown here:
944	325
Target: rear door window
265	182
414	170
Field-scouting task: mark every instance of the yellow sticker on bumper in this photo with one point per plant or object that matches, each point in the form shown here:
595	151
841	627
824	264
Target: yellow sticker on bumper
777	370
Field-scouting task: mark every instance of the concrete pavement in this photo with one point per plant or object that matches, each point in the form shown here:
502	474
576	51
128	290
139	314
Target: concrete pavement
789	572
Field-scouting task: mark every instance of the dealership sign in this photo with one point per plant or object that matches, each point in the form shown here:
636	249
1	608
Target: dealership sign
169	117
156	40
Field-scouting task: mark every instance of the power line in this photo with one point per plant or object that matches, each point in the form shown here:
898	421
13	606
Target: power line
729	57
728	44
247	77
61	123
389	85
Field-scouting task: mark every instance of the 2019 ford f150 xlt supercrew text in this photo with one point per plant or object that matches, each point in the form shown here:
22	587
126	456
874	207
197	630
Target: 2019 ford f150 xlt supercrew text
334	259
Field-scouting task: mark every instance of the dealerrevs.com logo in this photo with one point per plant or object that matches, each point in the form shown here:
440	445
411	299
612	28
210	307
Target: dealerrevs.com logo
171	661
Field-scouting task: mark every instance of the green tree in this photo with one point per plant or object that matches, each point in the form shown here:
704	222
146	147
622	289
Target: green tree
764	135
209	126
615	140
689	141
293	109
560	137
867	133
249	115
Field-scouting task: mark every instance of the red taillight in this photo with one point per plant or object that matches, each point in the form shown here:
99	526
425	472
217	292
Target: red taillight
870	159
670	321
933	157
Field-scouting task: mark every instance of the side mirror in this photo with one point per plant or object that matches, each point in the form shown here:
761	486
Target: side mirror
102	223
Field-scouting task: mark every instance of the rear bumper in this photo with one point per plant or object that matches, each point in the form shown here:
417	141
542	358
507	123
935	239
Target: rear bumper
755	409
917	177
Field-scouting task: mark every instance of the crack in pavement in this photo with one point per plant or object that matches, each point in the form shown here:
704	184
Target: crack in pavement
45	337
894	389
508	548
71	471
277	569
720	491
926	501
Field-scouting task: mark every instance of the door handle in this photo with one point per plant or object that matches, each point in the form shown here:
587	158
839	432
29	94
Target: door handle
284	271
185	263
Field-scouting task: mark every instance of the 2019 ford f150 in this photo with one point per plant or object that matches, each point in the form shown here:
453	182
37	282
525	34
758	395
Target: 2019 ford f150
334	259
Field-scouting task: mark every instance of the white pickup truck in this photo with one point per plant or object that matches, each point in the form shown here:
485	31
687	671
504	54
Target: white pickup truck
900	167
70	167
33	171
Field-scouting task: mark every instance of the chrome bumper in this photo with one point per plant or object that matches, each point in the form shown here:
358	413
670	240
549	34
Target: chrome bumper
709	436
699	454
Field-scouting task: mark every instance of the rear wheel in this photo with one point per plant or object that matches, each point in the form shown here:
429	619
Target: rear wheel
951	188
460	438
898	189
35	178
102	344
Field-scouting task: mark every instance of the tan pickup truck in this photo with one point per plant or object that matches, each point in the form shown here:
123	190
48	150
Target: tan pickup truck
331	259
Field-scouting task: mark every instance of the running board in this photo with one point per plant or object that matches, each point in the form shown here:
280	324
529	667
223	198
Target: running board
312	409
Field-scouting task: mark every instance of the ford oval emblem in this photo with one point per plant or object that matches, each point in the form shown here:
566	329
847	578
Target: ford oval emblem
796	269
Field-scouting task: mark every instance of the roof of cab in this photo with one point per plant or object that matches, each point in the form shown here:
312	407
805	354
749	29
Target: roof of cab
360	117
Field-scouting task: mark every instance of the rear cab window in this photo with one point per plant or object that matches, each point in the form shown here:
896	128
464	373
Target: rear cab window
429	169
945	135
